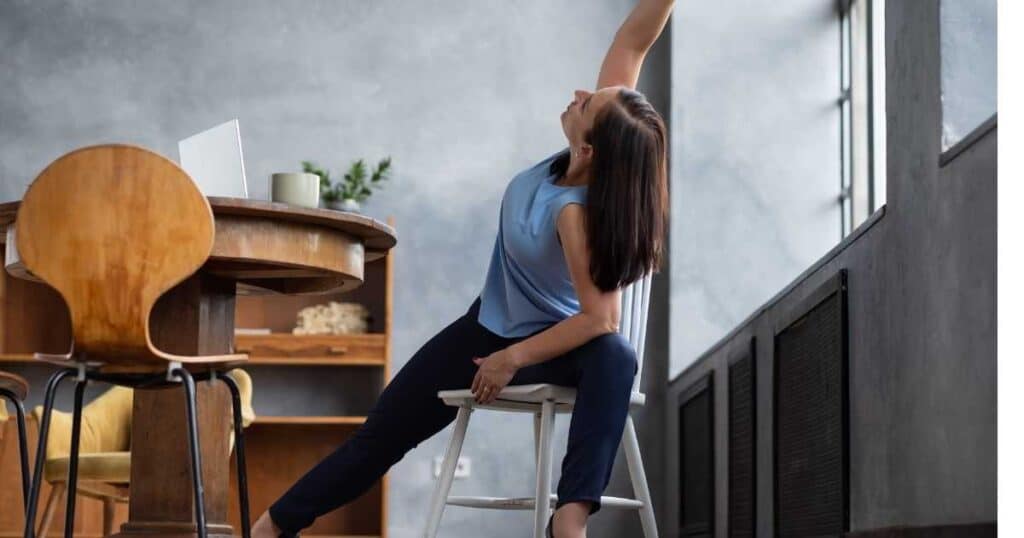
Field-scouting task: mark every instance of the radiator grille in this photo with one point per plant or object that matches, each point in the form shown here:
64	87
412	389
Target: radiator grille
742	447
810	422
696	465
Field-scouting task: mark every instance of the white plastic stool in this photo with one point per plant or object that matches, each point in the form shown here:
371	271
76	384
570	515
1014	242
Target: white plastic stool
544	401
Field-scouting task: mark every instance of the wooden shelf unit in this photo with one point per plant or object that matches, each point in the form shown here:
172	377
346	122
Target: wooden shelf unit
278	453
16	357
313	350
280	448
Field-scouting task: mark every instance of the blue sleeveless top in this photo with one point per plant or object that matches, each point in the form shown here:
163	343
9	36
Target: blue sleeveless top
528	286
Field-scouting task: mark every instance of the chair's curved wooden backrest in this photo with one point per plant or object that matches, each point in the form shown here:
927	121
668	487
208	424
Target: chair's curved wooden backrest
111	228
633	319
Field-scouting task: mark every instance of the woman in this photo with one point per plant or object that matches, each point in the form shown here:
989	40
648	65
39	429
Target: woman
573	230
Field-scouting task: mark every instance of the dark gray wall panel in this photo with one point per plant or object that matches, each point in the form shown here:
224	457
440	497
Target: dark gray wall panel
697	460
743	445
810	417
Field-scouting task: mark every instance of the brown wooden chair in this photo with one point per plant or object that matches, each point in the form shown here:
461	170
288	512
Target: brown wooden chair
112	228
15	389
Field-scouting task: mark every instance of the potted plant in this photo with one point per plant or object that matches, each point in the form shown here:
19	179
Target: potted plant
354	188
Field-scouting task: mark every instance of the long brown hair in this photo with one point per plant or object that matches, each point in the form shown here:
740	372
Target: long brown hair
627	197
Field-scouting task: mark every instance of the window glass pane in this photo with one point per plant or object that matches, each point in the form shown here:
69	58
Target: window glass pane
968	34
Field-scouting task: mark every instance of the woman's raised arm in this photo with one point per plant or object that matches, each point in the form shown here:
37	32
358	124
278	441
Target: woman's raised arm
621	66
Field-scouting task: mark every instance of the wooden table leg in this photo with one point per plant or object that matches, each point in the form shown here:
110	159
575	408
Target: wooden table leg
194	318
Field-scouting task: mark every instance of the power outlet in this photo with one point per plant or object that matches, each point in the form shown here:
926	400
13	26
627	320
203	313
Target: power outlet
463	467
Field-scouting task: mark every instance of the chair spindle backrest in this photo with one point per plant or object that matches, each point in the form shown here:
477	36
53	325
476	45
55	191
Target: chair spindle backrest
633	319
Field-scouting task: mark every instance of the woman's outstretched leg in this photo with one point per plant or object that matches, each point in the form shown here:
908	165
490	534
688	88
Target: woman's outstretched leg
407	412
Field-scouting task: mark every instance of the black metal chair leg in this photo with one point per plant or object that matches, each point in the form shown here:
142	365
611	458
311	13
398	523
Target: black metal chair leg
26	480
44	431
193	437
76	437
19	409
243	482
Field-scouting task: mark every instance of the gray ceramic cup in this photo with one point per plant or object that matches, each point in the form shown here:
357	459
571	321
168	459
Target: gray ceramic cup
296	188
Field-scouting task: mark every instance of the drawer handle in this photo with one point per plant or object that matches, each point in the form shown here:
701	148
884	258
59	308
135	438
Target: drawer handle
311	350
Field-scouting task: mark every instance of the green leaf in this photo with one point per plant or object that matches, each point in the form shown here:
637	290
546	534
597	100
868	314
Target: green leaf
357	183
381	172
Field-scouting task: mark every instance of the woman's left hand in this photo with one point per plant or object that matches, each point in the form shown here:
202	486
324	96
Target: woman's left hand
496	370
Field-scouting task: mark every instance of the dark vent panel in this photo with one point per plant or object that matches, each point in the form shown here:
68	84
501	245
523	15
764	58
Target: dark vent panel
811	454
742	446
696	460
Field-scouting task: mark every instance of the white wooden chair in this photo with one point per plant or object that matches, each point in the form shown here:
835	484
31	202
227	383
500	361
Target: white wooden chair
544	401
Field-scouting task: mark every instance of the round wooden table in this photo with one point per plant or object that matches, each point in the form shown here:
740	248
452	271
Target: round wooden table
259	247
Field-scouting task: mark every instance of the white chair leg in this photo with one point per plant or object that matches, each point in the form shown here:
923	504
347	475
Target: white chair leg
444	482
631	446
542	506
536	437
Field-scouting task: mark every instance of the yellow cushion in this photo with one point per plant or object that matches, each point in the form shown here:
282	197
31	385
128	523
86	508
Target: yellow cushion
244	383
110	467
106	425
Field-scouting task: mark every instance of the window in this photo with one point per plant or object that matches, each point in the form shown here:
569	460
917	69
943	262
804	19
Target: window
967	31
861	107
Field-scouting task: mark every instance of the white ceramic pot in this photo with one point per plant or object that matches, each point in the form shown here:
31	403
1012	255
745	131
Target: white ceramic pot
295	188
347	204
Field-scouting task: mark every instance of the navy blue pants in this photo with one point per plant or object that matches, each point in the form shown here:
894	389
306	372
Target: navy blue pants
408	412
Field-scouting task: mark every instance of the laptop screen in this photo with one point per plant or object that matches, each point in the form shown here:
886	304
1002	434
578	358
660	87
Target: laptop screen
213	158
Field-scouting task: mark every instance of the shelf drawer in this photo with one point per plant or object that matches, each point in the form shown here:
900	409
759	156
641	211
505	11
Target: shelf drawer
329	350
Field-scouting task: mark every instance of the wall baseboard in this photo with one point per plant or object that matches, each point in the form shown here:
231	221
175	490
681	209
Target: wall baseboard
968	530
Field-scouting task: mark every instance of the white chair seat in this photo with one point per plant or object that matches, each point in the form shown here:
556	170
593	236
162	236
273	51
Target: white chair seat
525	398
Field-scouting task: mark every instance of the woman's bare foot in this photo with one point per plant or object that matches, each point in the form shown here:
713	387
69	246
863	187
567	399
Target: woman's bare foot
571	520
265	528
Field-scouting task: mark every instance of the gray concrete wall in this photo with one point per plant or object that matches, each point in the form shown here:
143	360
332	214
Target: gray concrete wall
922	312
461	93
755	143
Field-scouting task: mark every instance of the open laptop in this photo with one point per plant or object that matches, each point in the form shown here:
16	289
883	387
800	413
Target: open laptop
214	160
